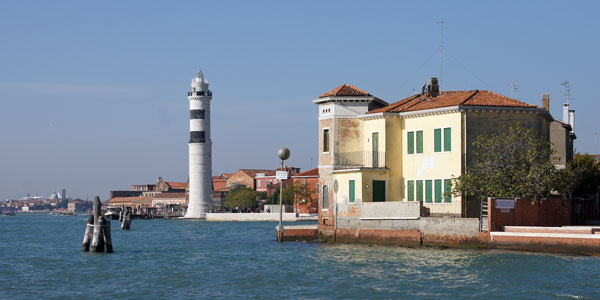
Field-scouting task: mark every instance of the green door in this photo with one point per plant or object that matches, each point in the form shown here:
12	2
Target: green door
375	149
378	191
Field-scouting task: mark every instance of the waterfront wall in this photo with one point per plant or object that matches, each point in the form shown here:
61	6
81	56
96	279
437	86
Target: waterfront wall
549	212
424	231
252	217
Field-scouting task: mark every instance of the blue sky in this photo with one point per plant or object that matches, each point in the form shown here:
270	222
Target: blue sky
93	94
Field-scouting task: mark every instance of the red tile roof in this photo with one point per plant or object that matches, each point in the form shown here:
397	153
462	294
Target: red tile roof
177	185
252	172
345	90
452	98
219	185
313	172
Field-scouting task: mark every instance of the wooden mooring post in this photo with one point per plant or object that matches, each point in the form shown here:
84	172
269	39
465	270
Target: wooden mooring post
98	230
126	221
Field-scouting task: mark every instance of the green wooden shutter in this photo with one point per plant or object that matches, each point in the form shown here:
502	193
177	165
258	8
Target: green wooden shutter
447	139
351	185
447	190
420	141
411	190
411	142
428	191
420	190
437	140
438	191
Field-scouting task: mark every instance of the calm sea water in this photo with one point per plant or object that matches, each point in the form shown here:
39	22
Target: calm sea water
40	257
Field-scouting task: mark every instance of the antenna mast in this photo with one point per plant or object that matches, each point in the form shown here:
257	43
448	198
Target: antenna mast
441	22
513	88
567	87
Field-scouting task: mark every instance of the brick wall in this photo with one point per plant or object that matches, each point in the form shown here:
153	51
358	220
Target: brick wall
549	212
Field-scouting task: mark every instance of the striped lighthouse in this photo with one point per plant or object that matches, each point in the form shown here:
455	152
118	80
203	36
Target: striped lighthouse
200	149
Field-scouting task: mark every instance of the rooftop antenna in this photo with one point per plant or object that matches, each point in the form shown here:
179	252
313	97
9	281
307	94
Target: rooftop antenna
513	89
568	88
441	22
596	141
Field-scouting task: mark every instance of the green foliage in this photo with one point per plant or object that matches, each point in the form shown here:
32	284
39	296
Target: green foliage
241	197
274	198
513	163
301	192
580	178
288	196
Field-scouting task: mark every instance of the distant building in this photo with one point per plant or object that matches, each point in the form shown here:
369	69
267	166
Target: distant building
247	177
562	134
309	182
75	207
220	191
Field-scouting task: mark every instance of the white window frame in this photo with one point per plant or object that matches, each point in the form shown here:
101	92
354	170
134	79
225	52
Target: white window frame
442	142
415	142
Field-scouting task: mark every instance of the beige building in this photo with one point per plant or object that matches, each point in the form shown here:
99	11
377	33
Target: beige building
409	150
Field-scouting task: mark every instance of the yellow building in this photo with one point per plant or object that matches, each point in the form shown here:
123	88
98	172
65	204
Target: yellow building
409	150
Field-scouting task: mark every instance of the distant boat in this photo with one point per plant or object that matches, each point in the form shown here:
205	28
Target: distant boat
9	213
111	215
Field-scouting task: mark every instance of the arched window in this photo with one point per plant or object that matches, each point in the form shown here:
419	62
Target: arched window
325	197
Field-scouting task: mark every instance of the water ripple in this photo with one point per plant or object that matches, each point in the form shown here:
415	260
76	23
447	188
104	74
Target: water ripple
179	259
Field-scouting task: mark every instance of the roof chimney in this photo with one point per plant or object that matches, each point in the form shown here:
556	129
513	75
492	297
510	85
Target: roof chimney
433	89
572	119
566	113
546	102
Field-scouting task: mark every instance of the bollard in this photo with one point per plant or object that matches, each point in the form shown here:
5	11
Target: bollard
88	234
98	235
107	238
98	239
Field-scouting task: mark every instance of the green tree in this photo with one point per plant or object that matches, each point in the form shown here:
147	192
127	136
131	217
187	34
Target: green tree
580	178
241	198
513	163
288	195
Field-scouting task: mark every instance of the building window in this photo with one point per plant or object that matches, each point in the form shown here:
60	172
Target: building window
438	191
428	191
447	191
258	183
420	190
197	137
447	139
411	190
415	147
420	141
197	114
410	137
325	197
351	191
325	140
437	139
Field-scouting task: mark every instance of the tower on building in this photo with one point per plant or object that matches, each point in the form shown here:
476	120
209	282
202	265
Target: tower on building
200	149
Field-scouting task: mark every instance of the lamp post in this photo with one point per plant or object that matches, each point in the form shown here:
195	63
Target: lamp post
283	153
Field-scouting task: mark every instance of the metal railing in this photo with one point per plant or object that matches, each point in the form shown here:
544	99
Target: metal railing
360	159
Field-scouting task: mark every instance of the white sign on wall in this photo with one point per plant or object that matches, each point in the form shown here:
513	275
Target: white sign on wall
281	175
505	203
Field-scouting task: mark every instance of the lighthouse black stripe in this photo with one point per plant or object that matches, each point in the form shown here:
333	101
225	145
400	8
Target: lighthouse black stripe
197	137
197	114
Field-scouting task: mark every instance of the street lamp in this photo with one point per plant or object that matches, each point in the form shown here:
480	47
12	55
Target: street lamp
283	153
